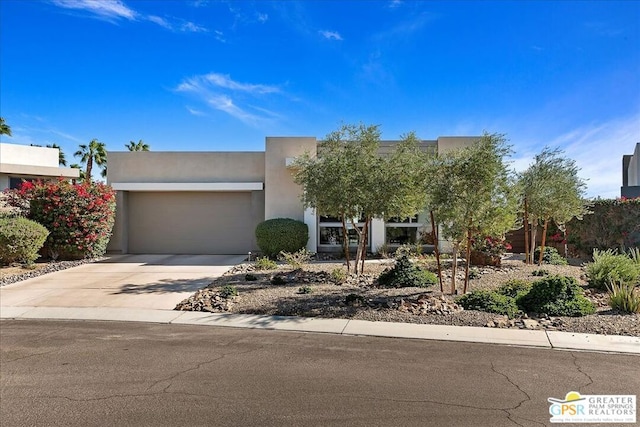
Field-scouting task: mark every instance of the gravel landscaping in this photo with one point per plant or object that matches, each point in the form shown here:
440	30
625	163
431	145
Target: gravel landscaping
14	274
312	292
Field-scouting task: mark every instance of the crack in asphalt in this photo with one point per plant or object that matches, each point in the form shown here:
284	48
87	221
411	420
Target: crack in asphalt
510	416
29	355
579	368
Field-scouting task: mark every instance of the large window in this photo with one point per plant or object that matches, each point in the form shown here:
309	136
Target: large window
17	182
407	231
331	234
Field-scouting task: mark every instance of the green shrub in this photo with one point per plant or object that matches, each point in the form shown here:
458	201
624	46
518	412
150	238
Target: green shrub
405	274
515	288
354	299
608	266
278	280
250	277
338	276
305	289
474	273
550	256
489	301
556	296
79	217
281	234
296	259
228	291
265	263
624	297
20	240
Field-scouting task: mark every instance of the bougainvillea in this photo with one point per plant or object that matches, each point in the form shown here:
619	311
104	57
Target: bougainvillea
79	217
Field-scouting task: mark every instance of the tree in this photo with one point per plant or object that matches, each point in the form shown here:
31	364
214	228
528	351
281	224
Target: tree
472	194
94	152
137	146
62	161
5	129
551	190
82	175
349	179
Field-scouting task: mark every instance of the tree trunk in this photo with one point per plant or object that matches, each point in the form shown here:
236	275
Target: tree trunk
365	238
89	167
434	233
345	243
466	268
454	268
527	259
533	230
359	250
544	240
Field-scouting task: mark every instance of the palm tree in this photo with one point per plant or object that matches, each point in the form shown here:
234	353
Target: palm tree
4	128
82	175
62	161
94	152
137	146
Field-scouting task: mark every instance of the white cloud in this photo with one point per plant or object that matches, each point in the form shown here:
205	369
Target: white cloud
330	35
190	27
395	3
114	9
222	93
160	21
219	35
195	112
262	17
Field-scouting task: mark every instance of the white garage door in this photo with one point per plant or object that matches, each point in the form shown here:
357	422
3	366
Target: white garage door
190	223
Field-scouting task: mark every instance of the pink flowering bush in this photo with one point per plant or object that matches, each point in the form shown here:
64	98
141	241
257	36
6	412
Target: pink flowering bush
493	246
79	217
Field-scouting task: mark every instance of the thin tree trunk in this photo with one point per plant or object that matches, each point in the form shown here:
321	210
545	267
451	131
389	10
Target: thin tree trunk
359	250
468	259
89	167
434	233
544	239
454	268
365	237
527	260
533	230
345	243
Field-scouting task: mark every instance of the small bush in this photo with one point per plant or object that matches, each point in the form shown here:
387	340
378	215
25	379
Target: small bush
338	276
540	273
281	234
609	266
354	299
250	277
556	296
228	291
489	301
296	259
20	240
265	263
305	289
550	256
624	297
405	274
474	273
515	288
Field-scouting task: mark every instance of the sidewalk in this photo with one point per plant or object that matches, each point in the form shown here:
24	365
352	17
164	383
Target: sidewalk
528	338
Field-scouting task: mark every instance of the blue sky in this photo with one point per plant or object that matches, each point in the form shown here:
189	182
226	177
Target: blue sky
222	75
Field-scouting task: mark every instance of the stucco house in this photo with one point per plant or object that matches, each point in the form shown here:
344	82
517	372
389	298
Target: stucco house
211	202
631	174
25	162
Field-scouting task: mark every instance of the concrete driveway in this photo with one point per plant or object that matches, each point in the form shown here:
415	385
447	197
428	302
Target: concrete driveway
123	281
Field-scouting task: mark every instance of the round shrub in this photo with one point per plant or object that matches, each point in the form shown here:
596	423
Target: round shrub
515	288
80	217
550	256
20	240
609	266
489	301
405	274
281	234
557	296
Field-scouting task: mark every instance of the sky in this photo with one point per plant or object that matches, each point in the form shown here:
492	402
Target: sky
222	75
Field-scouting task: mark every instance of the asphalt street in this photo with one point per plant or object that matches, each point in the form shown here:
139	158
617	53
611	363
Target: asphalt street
84	373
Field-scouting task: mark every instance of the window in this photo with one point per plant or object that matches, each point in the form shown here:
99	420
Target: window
407	231
17	182
331	235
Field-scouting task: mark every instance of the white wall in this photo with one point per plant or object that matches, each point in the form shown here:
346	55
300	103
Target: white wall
27	155
633	174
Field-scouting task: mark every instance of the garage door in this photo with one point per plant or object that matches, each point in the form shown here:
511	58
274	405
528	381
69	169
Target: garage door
190	223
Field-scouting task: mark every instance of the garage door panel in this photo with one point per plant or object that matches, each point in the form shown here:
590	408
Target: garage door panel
190	223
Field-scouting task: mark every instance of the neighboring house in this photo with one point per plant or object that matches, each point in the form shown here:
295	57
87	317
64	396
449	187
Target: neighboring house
631	174
23	162
211	202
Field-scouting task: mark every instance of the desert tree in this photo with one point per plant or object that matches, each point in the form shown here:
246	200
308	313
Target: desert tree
5	129
137	146
551	190
472	194
94	152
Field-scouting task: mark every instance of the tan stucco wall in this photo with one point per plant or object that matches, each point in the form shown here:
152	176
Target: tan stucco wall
451	143
149	166
282	195
633	174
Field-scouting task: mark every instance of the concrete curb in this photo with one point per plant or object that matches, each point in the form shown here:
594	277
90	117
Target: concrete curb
529	338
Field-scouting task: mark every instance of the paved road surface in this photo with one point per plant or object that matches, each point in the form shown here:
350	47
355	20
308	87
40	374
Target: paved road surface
137	374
